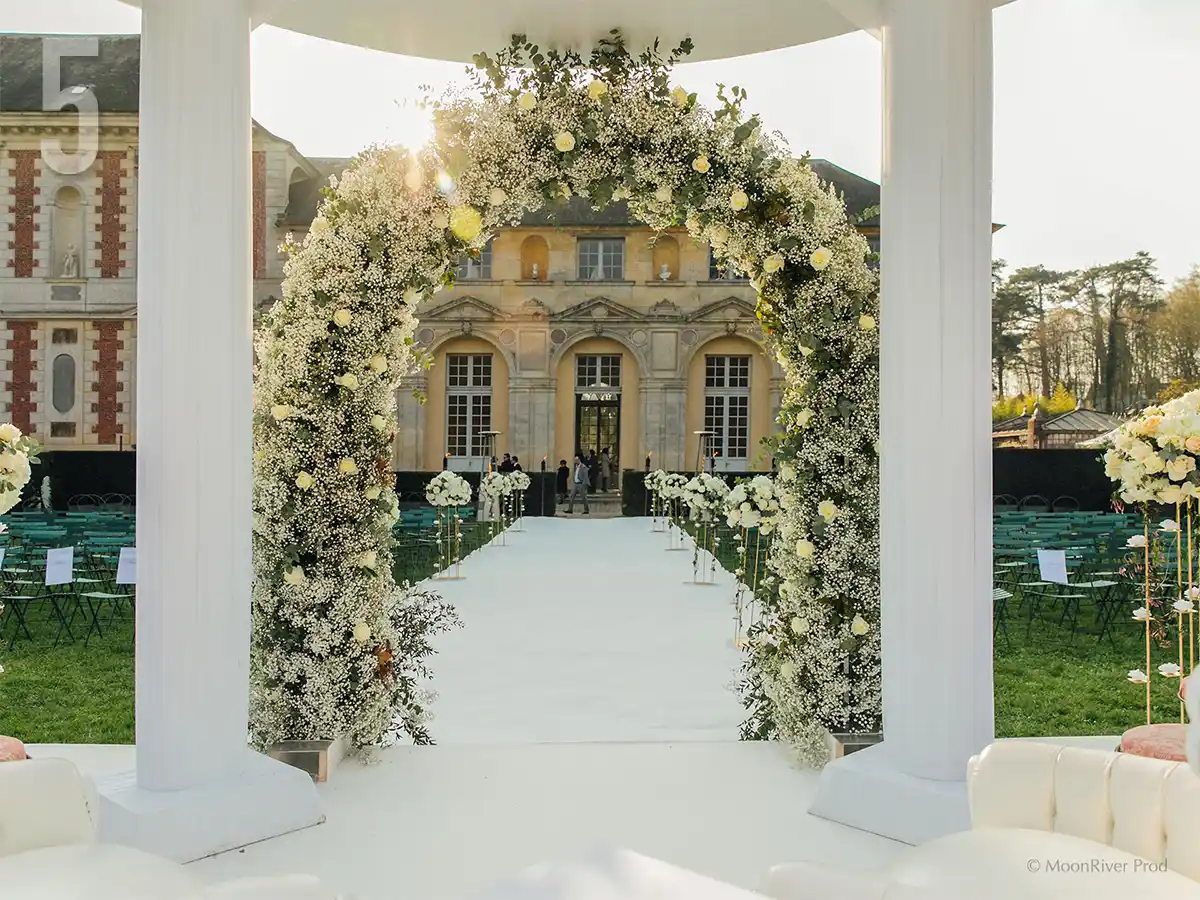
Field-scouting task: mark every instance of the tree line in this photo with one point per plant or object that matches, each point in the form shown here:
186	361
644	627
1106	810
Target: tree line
1114	336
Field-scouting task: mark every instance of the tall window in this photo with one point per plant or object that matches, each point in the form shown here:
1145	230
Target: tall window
602	259
468	403
727	404
718	271
597	374
471	268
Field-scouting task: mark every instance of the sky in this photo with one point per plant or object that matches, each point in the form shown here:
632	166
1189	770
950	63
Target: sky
1096	137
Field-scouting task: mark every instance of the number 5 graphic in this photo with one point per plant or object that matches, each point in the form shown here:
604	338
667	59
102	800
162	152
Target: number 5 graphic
56	98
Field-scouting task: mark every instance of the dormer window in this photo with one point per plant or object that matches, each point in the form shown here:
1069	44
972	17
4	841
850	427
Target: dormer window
476	268
602	259
719	271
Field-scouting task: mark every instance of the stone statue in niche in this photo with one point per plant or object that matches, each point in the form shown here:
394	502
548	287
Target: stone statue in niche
535	272
664	274
70	263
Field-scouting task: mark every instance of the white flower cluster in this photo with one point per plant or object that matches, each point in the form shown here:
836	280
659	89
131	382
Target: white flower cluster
495	485
753	504
448	489
15	471
705	496
1153	457
671	486
654	481
519	482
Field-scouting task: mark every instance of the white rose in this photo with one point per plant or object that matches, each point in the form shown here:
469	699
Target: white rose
718	235
597	89
319	225
773	263
701	164
564	142
805	549
362	632
281	412
9	433
440	221
379	423
373	492
378	363
804	417
367	560
679	97
820	258
866	322
347	466
859	626
787	671
342	317
497	197
527	101
349	381
295	576
800	626
663	194
739	200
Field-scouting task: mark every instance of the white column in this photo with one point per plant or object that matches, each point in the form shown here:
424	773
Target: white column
196	782
935	517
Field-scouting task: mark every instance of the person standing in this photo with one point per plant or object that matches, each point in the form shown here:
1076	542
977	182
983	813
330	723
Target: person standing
593	466
506	465
579	486
516	463
605	470
562	481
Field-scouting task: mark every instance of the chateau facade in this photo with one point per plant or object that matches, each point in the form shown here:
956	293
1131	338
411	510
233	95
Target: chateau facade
581	330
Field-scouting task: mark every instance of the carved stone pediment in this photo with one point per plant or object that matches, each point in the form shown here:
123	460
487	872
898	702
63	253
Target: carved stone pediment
598	308
464	308
534	307
730	309
665	309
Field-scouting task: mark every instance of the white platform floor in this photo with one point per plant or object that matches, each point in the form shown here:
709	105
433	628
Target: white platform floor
584	630
587	703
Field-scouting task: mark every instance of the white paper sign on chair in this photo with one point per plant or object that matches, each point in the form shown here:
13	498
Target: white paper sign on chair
1052	566
127	566
60	566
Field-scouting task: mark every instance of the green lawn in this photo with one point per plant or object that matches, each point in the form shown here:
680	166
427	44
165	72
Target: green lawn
1046	683
84	695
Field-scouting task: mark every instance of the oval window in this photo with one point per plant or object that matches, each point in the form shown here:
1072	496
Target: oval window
63	393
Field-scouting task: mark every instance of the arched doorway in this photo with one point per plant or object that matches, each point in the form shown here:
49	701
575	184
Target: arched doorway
597	392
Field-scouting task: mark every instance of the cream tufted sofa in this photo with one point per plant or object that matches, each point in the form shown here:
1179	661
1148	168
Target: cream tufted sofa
48	849
1046	822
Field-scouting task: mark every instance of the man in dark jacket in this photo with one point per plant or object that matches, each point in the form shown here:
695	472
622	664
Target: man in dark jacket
562	481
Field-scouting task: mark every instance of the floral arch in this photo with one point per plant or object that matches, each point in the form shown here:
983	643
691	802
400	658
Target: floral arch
336	650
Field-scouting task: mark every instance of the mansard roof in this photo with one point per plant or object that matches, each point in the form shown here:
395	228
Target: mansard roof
112	75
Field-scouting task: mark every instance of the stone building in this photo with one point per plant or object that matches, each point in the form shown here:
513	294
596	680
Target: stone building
578	329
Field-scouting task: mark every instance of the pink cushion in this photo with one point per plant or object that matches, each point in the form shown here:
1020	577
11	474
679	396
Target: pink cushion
11	749
1166	741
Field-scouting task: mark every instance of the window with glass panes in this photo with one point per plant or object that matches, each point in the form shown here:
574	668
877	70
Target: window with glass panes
597	371
602	259
718	271
471	268
468	403
727	404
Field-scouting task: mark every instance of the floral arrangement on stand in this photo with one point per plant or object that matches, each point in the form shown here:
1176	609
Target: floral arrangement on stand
653	483
494	490
536	128
705	498
519	482
1153	459
18	454
750	511
670	492
448	492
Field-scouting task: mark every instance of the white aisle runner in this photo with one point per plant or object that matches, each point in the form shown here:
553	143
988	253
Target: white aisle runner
584	630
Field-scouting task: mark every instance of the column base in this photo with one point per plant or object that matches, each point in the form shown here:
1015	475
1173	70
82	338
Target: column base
866	791
266	799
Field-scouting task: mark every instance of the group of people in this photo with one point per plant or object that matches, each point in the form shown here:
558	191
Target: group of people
588	474
508	464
